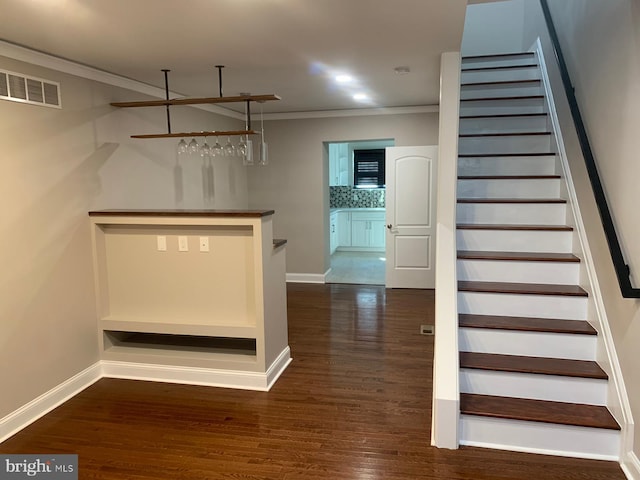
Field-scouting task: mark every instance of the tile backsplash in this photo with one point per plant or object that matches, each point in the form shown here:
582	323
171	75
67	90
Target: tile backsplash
349	197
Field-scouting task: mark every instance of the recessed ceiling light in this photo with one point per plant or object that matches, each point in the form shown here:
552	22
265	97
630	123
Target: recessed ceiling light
361	97
403	70
343	78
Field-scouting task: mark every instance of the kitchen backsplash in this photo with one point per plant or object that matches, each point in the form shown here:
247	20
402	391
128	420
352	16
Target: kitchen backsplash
349	197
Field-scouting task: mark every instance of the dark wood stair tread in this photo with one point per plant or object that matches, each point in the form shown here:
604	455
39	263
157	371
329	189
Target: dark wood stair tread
521	288
517	256
501	67
511	200
510	97
505	115
498	56
500	82
526	324
510	226
503	134
562	413
513	154
509	177
535	365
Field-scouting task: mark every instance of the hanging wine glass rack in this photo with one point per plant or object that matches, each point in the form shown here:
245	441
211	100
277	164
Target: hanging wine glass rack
167	102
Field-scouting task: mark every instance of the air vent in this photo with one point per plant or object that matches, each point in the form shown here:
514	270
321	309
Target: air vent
36	91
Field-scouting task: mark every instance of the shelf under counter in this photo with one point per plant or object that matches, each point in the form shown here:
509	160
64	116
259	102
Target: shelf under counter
169	326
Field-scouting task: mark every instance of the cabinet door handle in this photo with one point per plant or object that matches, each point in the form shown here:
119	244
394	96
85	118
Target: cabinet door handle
389	226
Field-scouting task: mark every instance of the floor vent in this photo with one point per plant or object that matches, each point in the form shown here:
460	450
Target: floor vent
36	91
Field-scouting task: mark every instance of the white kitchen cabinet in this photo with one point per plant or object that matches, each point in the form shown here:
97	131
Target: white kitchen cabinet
367	229
344	229
333	232
338	164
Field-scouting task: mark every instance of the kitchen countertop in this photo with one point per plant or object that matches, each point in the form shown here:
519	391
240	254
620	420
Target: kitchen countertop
353	209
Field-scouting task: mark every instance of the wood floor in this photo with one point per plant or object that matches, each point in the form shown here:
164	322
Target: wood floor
354	404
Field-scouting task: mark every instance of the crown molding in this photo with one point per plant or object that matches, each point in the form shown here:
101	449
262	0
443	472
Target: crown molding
356	112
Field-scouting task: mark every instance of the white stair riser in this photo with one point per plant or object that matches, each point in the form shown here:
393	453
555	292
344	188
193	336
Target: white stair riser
553	388
563	273
542	165
507	213
500	90
529	344
536	123
492	61
517	305
507	188
509	144
500	75
537	437
500	107
515	240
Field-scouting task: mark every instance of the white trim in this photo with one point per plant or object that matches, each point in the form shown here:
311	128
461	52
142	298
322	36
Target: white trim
40	406
356	112
539	451
40	59
445	421
278	367
307	277
198	376
630	465
627	434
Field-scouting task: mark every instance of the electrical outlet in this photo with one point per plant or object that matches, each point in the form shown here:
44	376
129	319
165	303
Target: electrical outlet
204	244
161	241
183	243
427	330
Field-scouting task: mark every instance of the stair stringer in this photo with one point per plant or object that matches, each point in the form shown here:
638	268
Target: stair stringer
606	355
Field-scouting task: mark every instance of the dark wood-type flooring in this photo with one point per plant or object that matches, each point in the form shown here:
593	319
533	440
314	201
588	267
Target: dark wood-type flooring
354	404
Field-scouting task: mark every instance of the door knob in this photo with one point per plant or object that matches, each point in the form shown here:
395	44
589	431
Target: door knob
389	226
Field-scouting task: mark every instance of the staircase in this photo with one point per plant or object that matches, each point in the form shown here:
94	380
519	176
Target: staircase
528	376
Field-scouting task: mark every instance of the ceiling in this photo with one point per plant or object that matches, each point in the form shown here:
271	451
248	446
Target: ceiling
293	48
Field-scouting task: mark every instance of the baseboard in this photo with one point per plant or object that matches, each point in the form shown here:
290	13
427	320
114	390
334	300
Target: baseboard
40	406
278	366
630	466
539	451
306	277
209	377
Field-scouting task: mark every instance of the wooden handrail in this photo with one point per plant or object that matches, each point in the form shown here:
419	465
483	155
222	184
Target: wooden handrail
622	269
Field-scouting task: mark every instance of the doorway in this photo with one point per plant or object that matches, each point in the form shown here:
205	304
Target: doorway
357	212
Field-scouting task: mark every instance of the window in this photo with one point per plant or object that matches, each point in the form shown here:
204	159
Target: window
368	168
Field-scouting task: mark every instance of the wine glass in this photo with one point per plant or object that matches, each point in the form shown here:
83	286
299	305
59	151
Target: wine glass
217	149
205	150
229	148
242	147
193	146
182	147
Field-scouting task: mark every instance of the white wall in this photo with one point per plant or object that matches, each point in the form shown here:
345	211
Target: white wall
600	42
295	183
493	28
56	166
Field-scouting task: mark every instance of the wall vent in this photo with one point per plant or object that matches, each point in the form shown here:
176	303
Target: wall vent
25	89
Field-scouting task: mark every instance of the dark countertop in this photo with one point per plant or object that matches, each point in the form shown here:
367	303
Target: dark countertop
179	213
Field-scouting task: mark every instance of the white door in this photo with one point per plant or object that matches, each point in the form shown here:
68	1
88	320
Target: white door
411	209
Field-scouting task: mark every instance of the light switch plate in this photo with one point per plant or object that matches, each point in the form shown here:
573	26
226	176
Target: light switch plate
183	243
204	244
161	241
